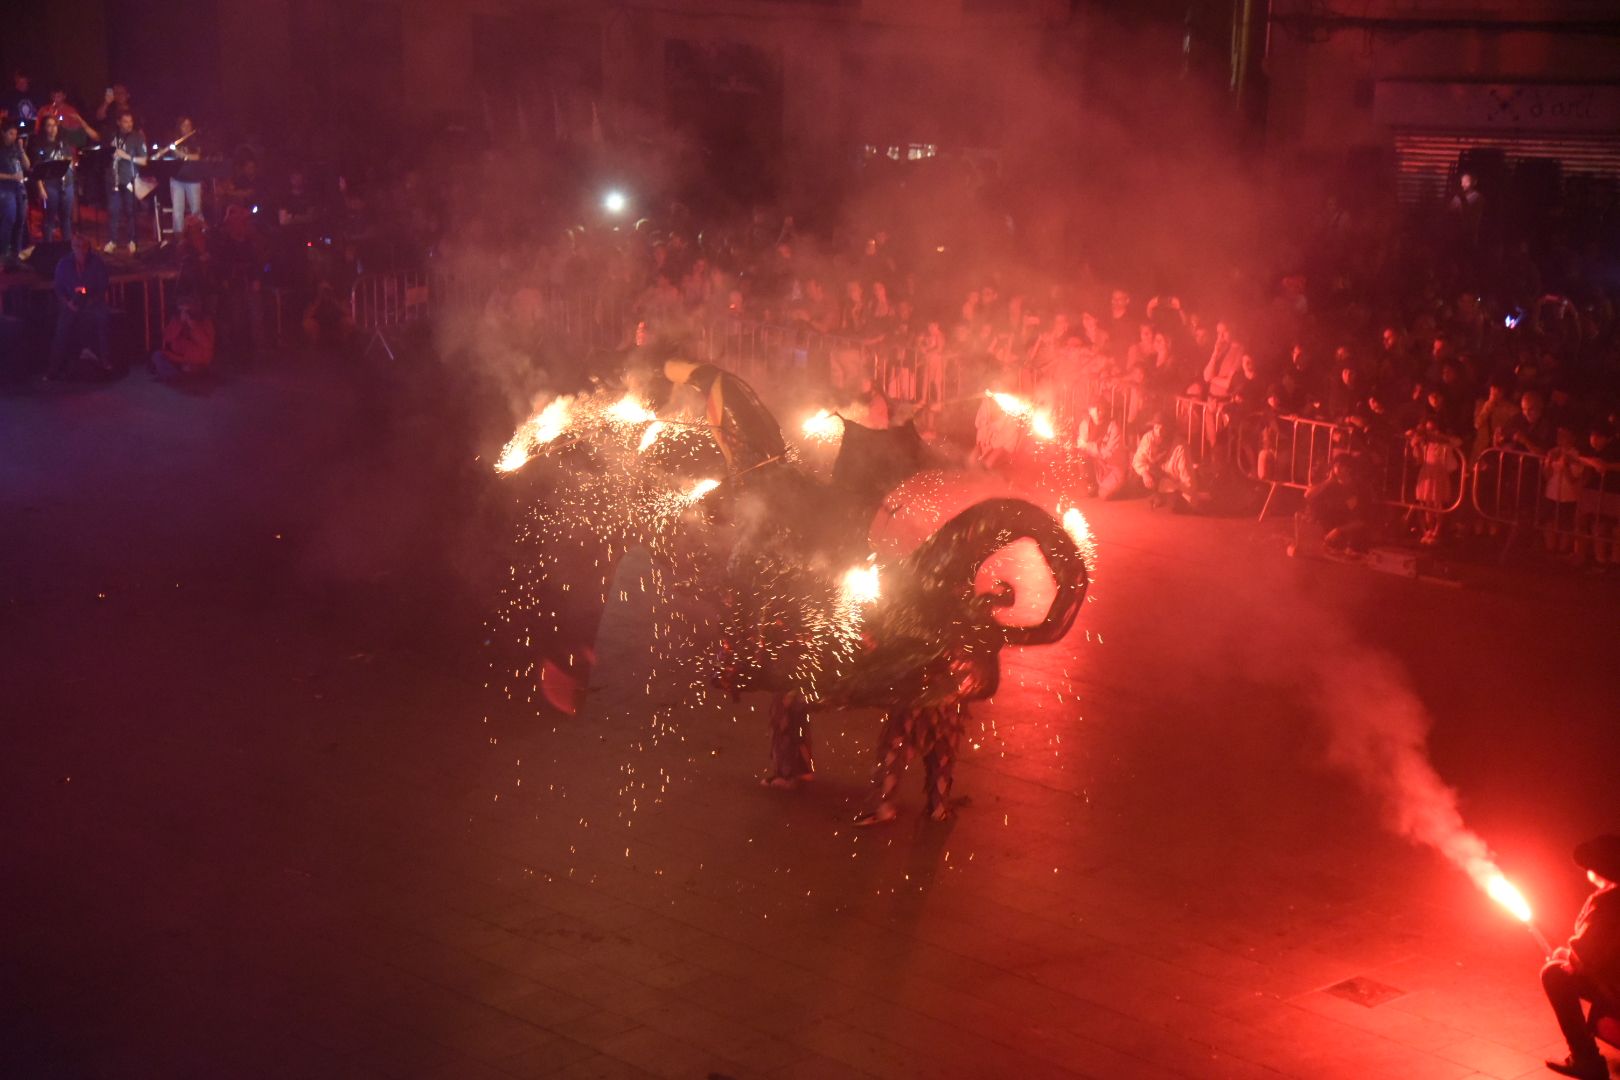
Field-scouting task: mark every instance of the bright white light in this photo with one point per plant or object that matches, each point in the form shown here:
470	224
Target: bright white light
627	410
614	202
1010	404
650	436
824	426
861	584
1040	425
1505	893
1076	525
700	489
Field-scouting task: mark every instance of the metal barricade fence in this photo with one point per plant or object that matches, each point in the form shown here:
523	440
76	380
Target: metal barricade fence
383	301
1418	472
1287	451
1201	423
1564	494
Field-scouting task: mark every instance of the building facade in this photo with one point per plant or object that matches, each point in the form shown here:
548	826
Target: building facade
1416	90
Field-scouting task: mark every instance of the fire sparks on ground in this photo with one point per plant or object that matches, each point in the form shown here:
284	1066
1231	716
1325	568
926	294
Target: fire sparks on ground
650	436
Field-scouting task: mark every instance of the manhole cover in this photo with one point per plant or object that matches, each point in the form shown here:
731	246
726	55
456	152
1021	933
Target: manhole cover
1364	991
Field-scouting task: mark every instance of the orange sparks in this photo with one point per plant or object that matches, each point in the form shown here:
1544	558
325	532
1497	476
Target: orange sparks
650	436
629	410
534	433
700	489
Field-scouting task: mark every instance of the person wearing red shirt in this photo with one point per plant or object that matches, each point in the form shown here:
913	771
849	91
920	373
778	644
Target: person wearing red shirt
188	344
75	128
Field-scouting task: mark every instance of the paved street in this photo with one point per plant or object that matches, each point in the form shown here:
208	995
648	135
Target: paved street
267	811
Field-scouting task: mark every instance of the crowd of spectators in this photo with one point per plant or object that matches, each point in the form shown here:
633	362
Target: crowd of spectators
1416	341
1446	339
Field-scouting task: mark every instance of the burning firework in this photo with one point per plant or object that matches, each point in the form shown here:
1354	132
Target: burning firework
700	489
861	584
1076	525
1507	894
1040	425
824	426
1011	404
535	433
628	411
650	436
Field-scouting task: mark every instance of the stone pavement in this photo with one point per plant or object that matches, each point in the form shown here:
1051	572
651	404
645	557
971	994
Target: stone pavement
268	813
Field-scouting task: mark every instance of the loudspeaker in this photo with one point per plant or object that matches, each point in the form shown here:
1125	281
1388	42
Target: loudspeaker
46	256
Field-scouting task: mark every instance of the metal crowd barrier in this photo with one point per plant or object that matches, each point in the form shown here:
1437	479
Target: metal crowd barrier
383	301
1423	474
1515	488
1202	424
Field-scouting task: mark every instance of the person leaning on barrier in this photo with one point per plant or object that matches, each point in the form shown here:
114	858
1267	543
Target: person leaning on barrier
1342	505
1587	969
1599	506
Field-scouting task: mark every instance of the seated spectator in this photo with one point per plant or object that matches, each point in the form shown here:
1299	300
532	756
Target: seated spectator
81	285
1161	463
1101	443
1341	505
188	344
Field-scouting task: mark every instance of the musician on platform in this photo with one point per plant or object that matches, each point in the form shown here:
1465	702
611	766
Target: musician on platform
129	154
53	171
185	187
76	130
13	194
19	102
